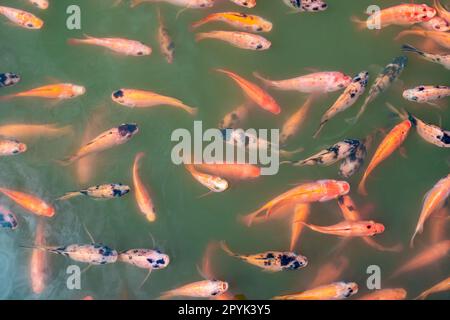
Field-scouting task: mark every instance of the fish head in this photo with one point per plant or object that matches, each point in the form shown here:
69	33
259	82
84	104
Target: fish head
401	61
7	219
9	79
127	130
350	288
41	4
17	147
48	211
342	80
298	262
265	26
205	3
261	44
120	190
219	184
374	227
343	187
437	24
158	260
142	50
410	94
221	287
33	22
120	96
246	3
78	90
427	12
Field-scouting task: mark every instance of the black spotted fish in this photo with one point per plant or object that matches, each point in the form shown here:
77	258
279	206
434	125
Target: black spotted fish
8	79
431	133
145	258
353	163
426	94
383	81
7	219
442	59
103	191
306	5
273	261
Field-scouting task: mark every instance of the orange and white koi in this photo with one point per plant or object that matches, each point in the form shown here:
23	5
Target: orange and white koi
436	24
442	59
405	14
232	171
431	254
254	93
433	201
318	82
386	294
21	18
273	261
391	142
442	286
166	45
213	183
41	4
24	130
349	228
141	194
119	45
350	95
199	289
294	123
106	140
316	191
61	91
38	263
29	202
194	4
242	21
441	38
242	40
426	94
301	214
10	147
330	272
146	99
333	291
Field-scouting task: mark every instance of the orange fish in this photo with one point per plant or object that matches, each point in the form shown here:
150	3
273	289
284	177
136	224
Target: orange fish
441	38
254	93
243	21
22	18
426	257
242	40
316	191
38	263
301	214
330	272
119	45
23	130
349	228
386	294
442	286
333	291
29	202
232	171
433	200
141	194
295	121
390	143
61	91
198	289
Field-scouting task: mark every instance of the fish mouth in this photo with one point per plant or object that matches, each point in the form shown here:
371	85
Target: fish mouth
128	128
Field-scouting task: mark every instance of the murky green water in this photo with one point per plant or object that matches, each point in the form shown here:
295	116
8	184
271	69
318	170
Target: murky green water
186	224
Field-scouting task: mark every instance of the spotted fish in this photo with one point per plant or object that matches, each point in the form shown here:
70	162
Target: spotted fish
426	94
431	133
7	219
353	162
307	5
145	258
103	191
8	79
443	59
11	147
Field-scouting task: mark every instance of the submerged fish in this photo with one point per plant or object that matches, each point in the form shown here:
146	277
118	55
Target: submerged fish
199	289
318	82
243	21
273	261
103	191
431	133
235	118
141	194
29	202
194	4
333	291
24	130
11	147
301	214
442	286
330	271
41	4
145	258
350	228
242	40
21	18
61	91
213	183
232	171
443	59
353	163
426	94
306	5
441	38
436	24
8	79
386	294
383	81
350	95
7	219
119	45
38	262
245	3
133	98
166	45
294	123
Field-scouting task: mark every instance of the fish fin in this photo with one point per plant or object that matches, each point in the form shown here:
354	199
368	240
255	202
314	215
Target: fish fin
287	154
322	124
360	24
202	274
402	151
69	195
88	233
416	232
205	194
362	187
86	269
146	278
409	32
227	249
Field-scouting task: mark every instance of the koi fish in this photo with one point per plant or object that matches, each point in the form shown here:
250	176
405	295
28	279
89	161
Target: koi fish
245	3
405	14
41	4
349	228
242	21
195	4
23	131
318	82
426	94
348	98
431	133
235	118
383	81
8	219
105	140
38	263
61	91
316	191
199	289
333	291
102	191
436	24
141	194
273	261
426	257
213	183
11	147
301	214
306	5
441	38
436	58
21	18
393	140
233	171
93	254
433	201
330	272
145	258
294	123
442	286
166	45
330	155
386	294
8	79
254	93
242	40
351	165
119	45
29	202
146	99
441	11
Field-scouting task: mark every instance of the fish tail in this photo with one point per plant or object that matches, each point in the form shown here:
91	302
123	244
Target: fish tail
202	21
66	161
409	32
69	195
139	156
423	295
288	154
248	218
360	24
188	109
135	3
42	248
167	295
201	36
362	186
410	48
316	134
418	230
8	97
73	41
227	249
258	76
